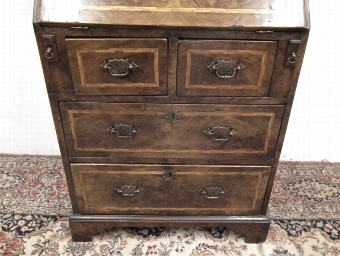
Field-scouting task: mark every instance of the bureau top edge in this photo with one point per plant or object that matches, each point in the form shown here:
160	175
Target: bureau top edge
202	14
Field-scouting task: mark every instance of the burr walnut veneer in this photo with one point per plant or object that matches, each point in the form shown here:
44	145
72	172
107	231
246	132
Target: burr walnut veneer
171	113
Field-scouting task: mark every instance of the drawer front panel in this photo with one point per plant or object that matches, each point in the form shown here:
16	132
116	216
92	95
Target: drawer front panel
222	131
118	66
225	68
218	133
125	130
146	189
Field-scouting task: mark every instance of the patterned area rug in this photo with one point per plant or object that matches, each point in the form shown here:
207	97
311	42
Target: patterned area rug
33	184
34	203
306	191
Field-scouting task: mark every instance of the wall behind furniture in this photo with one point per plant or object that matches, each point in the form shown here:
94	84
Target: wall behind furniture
27	126
26	122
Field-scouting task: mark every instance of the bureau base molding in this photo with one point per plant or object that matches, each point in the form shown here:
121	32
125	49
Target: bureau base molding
83	227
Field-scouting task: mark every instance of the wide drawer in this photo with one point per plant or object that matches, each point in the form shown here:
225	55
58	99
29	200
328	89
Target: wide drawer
118	66
225	67
158	189
217	133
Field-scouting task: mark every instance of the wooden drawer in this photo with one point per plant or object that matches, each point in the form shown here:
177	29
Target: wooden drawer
230	131
217	133
158	189
139	129
118	66
225	67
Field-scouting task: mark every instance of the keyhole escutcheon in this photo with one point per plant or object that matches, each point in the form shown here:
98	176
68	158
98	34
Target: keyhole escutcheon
173	116
169	175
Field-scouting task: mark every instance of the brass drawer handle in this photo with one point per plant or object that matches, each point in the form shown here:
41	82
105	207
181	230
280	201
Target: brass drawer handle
220	133
225	68
213	192
124	131
118	68
128	190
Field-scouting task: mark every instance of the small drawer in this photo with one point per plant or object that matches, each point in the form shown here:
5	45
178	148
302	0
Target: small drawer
219	134
157	189
225	67
118	66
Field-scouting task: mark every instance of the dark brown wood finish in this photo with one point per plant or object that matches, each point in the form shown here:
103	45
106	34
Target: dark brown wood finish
147	77
285	119
62	145
256	130
207	14
87	129
138	160
171	129
257	127
61	75
83	227
235	190
255	59
254	228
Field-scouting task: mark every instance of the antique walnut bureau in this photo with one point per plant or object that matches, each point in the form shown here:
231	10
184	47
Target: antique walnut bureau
171	112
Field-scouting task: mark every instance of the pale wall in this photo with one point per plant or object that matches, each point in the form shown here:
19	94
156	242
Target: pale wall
26	123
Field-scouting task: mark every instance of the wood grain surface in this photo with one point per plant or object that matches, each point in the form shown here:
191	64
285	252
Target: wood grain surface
217	14
95	187
149	78
163	128
195	79
86	124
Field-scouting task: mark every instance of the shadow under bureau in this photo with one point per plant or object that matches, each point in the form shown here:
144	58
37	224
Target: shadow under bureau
171	113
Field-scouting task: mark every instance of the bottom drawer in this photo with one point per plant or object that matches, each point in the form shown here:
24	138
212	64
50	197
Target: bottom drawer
178	189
